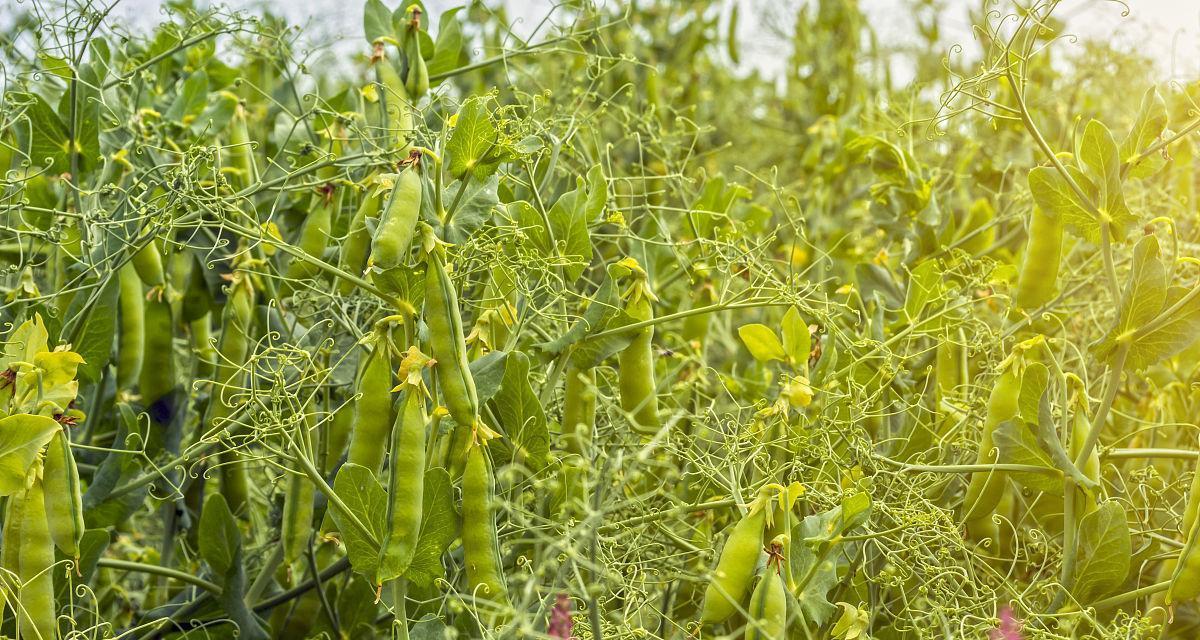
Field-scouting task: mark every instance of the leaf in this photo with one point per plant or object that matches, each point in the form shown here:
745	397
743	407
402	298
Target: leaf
25	342
1169	337
521	414
1150	123
449	45
762	342
362	494
1048	438
220	538
488	373
797	341
569	218
924	285
95	341
1017	444
48	134
439	528
377	21
473	209
1099	153
472	145
1034	381
1055	196
1105	550
1147	287
190	99
22	436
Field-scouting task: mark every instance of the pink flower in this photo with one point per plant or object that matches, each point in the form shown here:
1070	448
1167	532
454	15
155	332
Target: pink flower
1010	627
560	618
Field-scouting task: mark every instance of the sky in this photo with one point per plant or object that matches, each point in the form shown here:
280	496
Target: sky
1166	30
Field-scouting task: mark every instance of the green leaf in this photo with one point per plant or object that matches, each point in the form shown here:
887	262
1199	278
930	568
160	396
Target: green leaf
22	436
1104	555
924	285
1150	123
1099	153
473	209
48	134
521	414
362	494
1034	381
95	341
488	373
220	538
377	21
447	51
1048	438
25	342
1175	333
1147	287
797	341
1017	444
762	342
439	528
190	99
1054	195
473	143
569	218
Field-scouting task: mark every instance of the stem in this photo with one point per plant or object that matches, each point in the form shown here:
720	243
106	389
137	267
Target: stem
665	514
129	565
1110	394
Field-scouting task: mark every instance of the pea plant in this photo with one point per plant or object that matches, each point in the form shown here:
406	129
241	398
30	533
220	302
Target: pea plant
466	327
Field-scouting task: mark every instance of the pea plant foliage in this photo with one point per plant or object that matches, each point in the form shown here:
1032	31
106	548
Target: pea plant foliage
465	326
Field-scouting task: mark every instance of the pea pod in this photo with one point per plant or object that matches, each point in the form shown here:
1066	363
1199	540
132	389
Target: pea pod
241	148
406	472
393	99
35	558
735	568
298	501
1037	283
157	380
234	348
373	408
579	411
635	375
481	551
986	487
318	224
417	80
1185	583
64	500
448	344
148	263
357	245
131	332
768	607
398	223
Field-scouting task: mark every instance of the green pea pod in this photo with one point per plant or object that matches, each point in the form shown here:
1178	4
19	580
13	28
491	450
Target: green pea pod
234	348
447	341
1185	583
357	244
1037	283
157	380
297	525
768	608
735	568
417	81
579	411
696	326
241	149
406	472
314	237
393	99
398	223
202	345
986	487
481	551
635	375
373	408
64	499
131	333
10	546
340	429
37	615
148	263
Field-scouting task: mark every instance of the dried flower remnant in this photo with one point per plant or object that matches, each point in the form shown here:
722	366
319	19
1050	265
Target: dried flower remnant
1009	628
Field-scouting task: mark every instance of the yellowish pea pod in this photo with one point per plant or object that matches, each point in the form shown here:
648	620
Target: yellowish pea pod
735	568
64	500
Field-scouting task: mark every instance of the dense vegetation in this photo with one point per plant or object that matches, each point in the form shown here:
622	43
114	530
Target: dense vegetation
595	332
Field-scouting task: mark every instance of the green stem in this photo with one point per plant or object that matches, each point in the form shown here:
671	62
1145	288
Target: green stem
129	565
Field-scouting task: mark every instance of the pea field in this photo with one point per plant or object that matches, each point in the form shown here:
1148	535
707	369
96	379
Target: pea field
587	327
